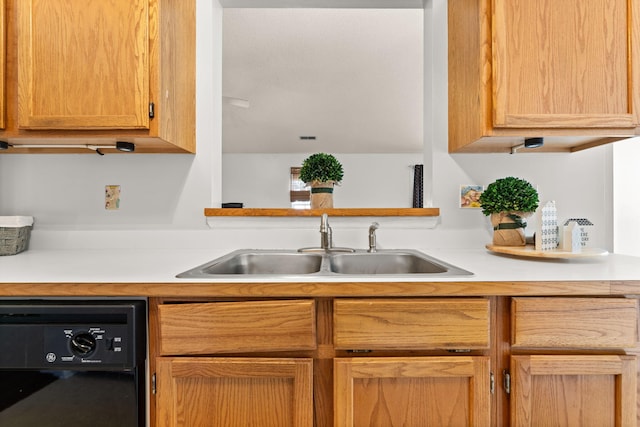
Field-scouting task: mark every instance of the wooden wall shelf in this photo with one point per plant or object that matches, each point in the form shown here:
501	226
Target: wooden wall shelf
252	212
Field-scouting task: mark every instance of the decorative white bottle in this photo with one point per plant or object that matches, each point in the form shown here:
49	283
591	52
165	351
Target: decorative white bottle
547	231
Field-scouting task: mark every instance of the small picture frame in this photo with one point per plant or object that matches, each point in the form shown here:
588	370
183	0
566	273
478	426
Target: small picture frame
470	196
112	197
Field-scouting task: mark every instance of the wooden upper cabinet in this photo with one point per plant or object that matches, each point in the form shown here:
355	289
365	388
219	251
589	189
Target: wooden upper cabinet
2	63
565	71
81	73
83	67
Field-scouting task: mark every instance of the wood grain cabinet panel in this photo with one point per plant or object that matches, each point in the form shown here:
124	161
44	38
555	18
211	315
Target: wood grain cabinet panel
412	391
597	391
562	64
234	392
574	322
406	324
233	327
83	67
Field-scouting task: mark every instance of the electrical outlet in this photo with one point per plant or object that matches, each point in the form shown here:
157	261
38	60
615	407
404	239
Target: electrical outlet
112	197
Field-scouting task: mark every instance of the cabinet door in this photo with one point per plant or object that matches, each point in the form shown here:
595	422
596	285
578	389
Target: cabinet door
412	391
564	64
83	65
2	63
234	392
584	391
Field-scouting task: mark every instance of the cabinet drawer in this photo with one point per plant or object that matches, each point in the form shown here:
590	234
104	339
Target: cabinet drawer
574	322
235	327
406	324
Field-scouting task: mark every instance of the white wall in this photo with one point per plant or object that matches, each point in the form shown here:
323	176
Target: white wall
169	191
69	189
626	203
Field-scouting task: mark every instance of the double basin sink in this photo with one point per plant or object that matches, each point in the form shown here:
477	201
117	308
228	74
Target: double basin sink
325	263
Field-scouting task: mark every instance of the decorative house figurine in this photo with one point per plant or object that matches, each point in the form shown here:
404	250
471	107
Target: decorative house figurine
547	232
584	224
571	237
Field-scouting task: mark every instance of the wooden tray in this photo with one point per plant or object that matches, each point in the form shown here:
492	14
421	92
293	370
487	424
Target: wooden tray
530	251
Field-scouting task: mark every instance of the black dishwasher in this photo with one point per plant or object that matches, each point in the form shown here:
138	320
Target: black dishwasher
72	363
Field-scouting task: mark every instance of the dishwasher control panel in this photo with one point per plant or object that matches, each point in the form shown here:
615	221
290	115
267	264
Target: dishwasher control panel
85	344
80	335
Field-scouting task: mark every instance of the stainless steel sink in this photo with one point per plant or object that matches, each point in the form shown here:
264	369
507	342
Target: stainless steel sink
396	263
385	263
258	262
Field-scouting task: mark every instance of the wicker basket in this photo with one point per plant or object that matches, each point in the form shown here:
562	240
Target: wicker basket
14	234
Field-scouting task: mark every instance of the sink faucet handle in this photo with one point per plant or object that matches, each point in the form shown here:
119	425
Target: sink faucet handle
372	236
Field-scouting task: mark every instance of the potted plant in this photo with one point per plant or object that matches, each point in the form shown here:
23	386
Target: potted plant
508	201
321	171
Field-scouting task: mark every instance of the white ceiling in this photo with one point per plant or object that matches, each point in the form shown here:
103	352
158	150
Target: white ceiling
353	78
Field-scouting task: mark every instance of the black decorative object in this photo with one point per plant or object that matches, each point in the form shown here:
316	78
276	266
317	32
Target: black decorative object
417	186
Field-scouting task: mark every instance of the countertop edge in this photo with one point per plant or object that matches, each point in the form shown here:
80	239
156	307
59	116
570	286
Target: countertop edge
322	289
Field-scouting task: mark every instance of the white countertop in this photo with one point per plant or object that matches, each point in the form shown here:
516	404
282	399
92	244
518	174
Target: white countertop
143	265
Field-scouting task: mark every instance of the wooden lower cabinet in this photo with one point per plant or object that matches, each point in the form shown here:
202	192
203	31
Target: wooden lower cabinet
412	391
572	362
416	362
569	390
234	392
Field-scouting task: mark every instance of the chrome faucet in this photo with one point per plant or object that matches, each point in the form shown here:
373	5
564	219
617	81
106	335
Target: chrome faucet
372	236
326	238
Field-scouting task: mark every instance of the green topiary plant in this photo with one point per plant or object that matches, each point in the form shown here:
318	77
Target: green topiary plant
509	195
321	167
507	201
